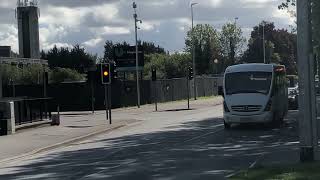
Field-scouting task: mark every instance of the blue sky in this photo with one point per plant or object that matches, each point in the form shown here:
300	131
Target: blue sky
165	22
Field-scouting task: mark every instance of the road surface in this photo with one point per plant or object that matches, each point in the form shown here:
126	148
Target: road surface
174	144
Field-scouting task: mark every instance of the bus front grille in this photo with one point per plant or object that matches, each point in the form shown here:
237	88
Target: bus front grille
246	108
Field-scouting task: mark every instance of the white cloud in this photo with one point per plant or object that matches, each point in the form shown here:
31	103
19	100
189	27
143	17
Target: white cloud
93	42
63	16
90	22
110	30
9	36
283	15
47	46
7	4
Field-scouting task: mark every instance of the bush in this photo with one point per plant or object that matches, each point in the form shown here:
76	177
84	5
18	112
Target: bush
32	74
59	75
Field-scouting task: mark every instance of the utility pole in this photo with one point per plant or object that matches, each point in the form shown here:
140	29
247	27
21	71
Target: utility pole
264	44
307	100
136	20
193	54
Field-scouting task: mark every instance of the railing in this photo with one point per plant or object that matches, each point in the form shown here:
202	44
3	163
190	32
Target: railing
32	110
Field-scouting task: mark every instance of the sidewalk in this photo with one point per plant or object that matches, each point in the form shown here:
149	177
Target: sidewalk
77	126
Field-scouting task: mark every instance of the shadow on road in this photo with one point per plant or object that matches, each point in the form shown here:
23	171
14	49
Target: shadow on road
192	150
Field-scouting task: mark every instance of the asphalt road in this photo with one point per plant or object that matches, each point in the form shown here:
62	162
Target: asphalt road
166	145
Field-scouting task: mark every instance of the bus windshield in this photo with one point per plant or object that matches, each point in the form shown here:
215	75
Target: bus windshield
248	82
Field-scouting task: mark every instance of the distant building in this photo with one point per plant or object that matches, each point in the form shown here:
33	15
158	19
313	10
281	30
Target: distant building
5	51
28	29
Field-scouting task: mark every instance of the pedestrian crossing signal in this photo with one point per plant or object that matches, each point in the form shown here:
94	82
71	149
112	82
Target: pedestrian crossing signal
105	73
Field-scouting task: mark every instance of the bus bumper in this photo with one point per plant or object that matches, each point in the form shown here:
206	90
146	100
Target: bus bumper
257	118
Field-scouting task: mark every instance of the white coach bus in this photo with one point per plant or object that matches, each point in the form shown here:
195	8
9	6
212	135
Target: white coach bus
255	93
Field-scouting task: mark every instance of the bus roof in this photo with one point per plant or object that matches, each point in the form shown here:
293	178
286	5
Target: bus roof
252	67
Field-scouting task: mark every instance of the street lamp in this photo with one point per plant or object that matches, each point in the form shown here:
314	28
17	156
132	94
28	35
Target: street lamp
136	20
193	54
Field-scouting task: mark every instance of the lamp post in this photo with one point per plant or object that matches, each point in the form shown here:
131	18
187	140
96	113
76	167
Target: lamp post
193	54
136	20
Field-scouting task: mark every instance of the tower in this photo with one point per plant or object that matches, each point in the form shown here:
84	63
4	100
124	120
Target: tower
28	28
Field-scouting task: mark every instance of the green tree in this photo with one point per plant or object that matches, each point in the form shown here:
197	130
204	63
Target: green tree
231	42
280	46
168	66
76	58
289	5
206	43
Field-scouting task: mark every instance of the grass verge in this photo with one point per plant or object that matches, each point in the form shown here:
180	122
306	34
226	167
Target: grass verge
309	171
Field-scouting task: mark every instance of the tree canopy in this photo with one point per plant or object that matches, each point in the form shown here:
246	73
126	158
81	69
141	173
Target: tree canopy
279	43
76	58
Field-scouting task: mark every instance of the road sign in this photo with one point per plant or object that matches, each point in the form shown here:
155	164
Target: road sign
125	56
105	73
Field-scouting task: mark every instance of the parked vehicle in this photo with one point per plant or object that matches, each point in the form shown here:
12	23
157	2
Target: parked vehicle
293	91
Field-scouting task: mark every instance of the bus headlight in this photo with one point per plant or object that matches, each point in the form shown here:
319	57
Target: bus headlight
225	107
268	106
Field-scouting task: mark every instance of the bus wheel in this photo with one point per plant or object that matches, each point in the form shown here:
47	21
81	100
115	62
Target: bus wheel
226	125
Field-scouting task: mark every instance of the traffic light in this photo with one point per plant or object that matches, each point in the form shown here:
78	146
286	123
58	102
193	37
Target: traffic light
105	73
190	69
154	74
114	72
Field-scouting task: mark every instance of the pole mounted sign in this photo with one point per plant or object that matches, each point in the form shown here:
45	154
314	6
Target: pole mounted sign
125	57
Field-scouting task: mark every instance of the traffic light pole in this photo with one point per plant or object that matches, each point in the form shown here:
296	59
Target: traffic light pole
188	88
106	100
92	90
156	95
109	103
154	83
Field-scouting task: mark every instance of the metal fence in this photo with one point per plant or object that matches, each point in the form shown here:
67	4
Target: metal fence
177	89
78	96
32	110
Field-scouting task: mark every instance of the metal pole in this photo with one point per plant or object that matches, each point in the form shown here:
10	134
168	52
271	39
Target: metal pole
193	55
307	102
137	55
264	45
110	102
92	91
155	95
188	88
0	86
106	100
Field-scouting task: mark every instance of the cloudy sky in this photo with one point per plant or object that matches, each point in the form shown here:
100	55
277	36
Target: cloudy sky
165	22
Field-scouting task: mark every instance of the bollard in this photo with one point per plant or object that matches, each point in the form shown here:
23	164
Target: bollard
56	118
